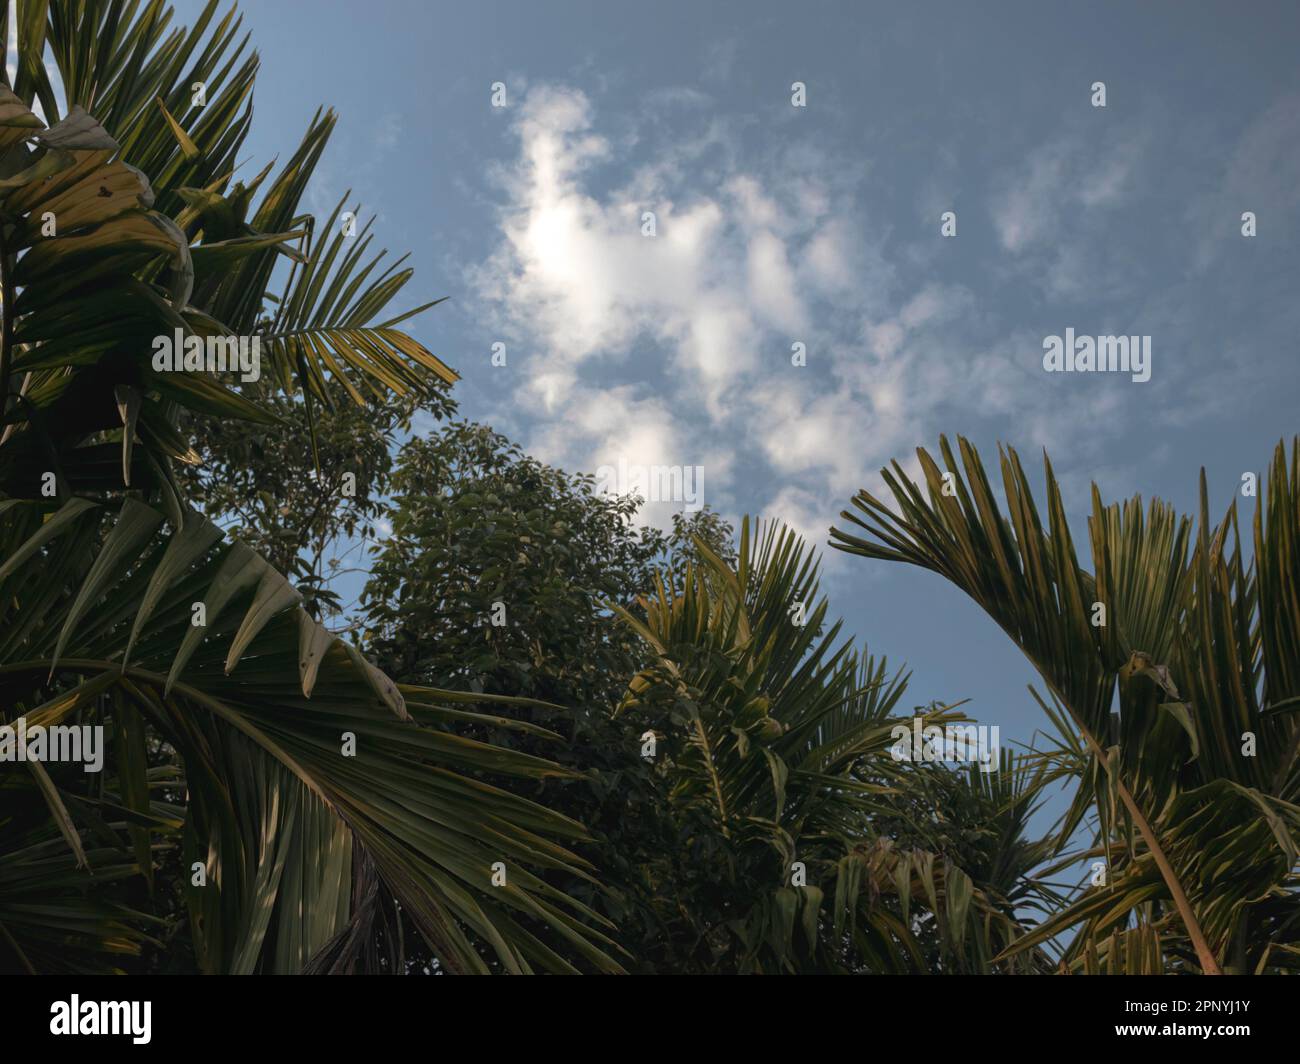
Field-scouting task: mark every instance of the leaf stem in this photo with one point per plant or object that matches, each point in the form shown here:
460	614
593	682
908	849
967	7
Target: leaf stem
7	330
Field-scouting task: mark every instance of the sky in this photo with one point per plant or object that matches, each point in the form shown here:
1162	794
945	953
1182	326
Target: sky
822	225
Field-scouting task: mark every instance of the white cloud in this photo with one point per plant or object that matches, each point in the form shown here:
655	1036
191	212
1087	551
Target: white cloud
1261	174
675	349
1060	177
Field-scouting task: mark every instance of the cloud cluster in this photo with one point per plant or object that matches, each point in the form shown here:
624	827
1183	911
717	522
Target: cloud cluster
675	349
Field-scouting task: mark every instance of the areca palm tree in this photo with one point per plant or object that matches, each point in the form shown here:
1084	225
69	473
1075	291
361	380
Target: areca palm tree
1172	664
771	740
262	777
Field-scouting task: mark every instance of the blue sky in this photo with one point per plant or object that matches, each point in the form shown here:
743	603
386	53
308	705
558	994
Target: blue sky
821	225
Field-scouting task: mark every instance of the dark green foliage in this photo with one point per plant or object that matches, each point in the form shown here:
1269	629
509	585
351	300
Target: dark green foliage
306	510
476	523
